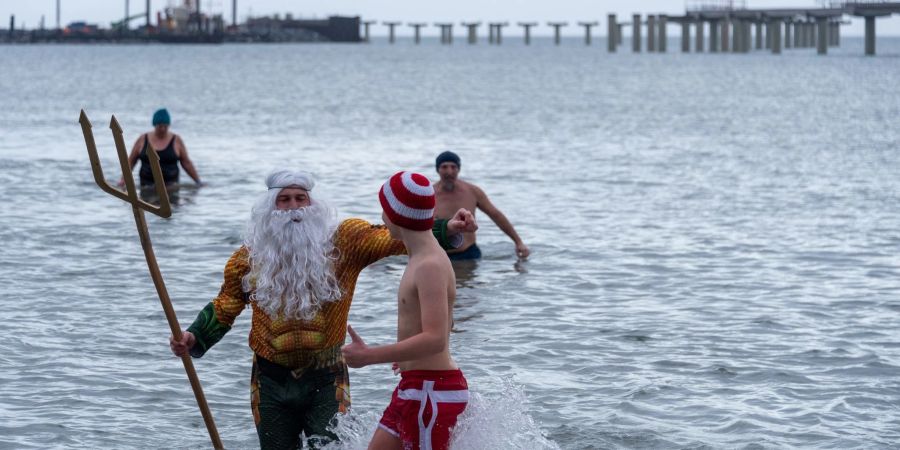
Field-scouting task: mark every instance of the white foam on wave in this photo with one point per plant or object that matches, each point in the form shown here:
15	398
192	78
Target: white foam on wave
496	417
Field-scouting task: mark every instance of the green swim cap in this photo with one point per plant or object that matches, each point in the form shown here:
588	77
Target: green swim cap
161	116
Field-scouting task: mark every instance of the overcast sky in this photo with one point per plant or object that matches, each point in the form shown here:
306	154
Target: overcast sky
103	12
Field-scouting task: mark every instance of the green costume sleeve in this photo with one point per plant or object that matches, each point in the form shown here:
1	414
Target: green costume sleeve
439	229
207	329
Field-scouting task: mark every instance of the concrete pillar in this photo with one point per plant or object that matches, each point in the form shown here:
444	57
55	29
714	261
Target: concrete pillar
822	34
788	39
58	27
651	34
636	33
726	28
837	34
685	36
663	22
714	41
12	25
812	34
612	29
870	35
747	39
619	33
391	26
473	31
366	25
802	34
770	30
759	34
587	31
698	36
556	26
417	33
527	26
498	32
776	36
738	33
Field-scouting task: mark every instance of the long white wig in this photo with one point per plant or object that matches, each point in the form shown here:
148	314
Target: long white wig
292	254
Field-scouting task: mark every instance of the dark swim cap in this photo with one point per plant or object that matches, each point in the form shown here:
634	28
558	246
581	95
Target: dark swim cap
447	156
161	116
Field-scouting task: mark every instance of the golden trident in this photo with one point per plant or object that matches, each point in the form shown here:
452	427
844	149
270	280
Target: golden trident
138	206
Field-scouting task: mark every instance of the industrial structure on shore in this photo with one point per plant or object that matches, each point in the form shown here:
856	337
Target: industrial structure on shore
732	27
187	23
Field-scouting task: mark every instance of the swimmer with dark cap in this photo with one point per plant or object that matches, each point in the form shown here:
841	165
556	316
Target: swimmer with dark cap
170	149
451	194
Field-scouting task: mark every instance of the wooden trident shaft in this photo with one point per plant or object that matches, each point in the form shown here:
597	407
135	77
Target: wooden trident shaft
138	206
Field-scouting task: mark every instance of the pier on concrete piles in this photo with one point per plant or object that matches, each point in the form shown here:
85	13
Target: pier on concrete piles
730	29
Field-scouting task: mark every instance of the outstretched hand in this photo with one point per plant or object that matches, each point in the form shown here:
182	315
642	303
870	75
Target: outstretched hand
522	251
462	222
355	352
182	347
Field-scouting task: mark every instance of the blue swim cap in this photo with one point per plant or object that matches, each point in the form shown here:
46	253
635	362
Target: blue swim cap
447	156
161	116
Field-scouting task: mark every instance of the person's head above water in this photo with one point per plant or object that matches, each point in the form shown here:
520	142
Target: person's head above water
291	189
161	116
161	121
407	199
447	165
447	157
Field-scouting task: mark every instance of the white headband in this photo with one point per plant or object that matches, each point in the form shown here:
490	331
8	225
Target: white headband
281	179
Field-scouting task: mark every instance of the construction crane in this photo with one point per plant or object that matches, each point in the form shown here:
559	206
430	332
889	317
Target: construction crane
123	24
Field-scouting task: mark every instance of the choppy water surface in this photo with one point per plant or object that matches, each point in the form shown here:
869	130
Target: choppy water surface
714	237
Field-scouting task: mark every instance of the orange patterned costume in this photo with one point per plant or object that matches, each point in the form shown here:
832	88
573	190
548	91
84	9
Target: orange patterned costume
300	346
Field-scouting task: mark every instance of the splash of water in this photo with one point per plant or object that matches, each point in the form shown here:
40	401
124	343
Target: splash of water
496	417
499	420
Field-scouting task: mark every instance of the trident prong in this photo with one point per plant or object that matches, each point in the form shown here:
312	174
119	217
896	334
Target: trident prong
138	207
130	195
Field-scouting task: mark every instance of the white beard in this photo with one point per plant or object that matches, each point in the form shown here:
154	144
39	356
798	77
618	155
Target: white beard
292	261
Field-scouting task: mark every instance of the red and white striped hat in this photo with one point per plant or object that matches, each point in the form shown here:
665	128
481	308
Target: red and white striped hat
408	200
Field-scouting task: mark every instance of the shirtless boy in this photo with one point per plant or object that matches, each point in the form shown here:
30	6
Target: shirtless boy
433	391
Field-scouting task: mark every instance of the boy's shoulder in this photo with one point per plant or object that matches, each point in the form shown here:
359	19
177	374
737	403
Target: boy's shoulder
433	260
431	268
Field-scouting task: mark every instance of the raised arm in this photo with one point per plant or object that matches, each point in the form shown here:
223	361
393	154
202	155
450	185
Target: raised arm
366	243
186	162
502	222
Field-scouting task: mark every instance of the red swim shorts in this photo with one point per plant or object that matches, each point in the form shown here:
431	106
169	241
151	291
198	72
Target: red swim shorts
424	408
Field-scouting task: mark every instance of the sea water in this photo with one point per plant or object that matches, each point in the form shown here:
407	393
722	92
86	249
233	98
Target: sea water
714	237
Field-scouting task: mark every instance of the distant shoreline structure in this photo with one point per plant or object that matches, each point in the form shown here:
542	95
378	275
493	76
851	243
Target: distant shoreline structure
732	28
202	31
